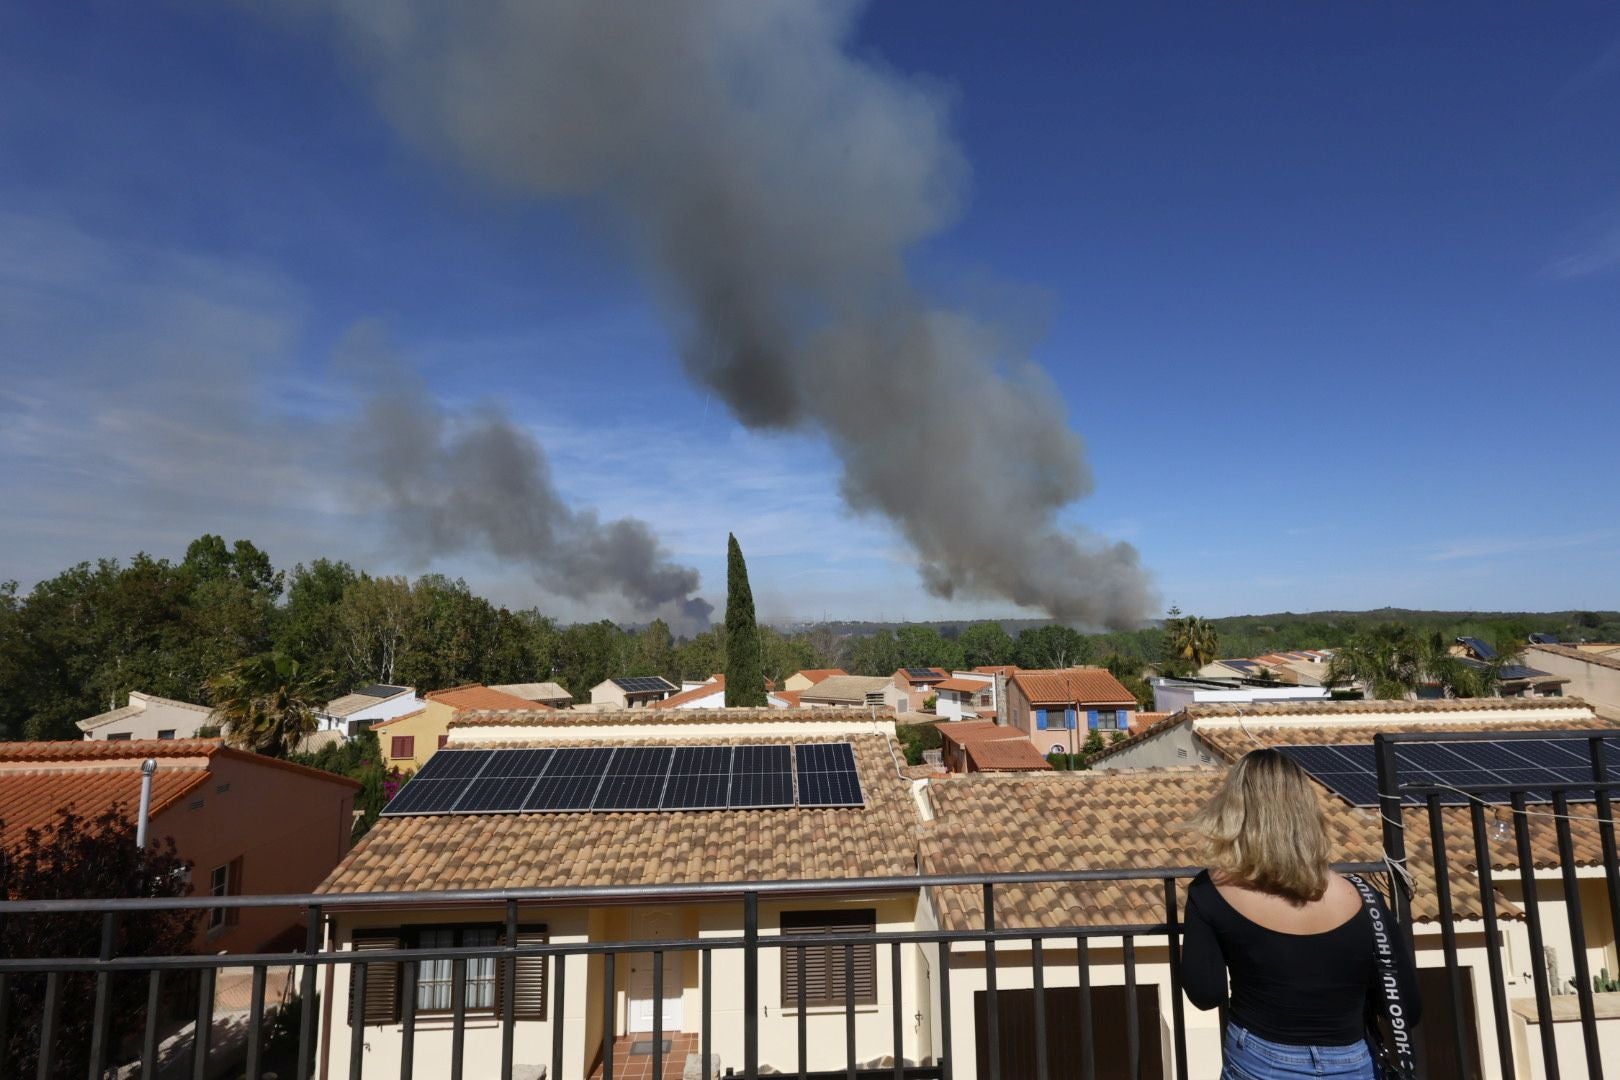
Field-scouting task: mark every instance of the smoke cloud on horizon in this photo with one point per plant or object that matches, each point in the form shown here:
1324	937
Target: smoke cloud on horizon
770	185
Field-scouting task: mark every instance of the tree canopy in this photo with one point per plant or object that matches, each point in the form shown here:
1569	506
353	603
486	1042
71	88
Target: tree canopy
745	670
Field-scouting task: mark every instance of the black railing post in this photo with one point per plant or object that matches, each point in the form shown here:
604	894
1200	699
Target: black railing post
256	1022
895	999
509	991
802	1021
1577	935
202	1036
1178	1009
1493	943
1538	951
47	1025
407	993
1448	932
751	985
849	1010
458	1015
357	1021
1605	818
1394	829
1088	1038
1133	1019
658	1015
306	996
610	1014
5	1012
149	1035
555	1011
1038	975
992	1011
98	1021
947	1053
707	1020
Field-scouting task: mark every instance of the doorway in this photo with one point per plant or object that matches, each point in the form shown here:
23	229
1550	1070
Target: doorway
656	924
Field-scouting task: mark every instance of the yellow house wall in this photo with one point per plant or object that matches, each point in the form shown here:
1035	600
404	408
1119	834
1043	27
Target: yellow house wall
426	727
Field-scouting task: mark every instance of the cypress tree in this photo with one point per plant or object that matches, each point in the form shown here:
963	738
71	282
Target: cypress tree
745	672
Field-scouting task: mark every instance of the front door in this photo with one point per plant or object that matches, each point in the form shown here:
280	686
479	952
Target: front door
655	925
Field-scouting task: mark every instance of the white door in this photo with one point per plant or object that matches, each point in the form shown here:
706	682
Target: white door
655	925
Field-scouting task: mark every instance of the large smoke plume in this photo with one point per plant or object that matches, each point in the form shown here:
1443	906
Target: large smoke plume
772	184
474	480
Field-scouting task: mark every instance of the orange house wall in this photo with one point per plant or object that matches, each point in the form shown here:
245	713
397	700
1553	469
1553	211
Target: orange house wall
289	831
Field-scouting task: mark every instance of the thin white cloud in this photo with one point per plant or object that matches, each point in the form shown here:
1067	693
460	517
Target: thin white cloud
1595	249
1491	548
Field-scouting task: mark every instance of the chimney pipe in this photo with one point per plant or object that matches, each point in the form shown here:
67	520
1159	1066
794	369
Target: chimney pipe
148	768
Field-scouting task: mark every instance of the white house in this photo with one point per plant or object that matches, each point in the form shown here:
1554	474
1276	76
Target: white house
1173	695
354	713
148	716
712	695
966	695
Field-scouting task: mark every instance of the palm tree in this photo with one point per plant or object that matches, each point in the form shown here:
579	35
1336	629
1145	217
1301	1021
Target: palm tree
267	703
1190	642
1394	661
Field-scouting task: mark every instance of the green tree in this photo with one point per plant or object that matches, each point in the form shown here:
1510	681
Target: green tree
309	624
782	655
1190	643
924	646
745	673
655	652
1052	647
375	621
703	655
588	653
826	646
267	703
986	643
877	653
1129	674
1394	661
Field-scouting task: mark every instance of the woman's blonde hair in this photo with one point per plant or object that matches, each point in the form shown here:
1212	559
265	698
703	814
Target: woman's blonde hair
1265	828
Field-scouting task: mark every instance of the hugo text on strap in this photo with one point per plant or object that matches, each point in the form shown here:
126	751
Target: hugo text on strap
1385	945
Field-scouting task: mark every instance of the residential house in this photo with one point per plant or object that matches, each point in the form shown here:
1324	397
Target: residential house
410	739
367	706
248	824
712	695
1302	667
1173	695
148	716
635	692
804	680
1058	709
667	851
1512	680
1592	673
844	691
910	688
549	694
985	746
965	695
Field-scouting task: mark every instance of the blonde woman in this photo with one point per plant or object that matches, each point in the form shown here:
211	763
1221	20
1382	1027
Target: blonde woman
1297	939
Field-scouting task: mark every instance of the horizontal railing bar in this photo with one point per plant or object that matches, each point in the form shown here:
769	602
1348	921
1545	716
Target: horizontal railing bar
1419	788
618	893
1584	735
382	956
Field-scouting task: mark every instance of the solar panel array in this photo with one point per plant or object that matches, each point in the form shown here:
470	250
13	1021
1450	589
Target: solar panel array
922	673
1351	771
632	778
642	684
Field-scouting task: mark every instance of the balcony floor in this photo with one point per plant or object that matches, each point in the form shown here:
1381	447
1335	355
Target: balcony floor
628	1066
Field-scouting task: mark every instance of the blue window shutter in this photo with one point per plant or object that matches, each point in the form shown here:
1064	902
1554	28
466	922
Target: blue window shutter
1091	718
1070	716
1124	719
1040	719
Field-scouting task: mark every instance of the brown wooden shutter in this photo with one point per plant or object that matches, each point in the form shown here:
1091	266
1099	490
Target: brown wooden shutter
382	979
529	989
824	968
233	887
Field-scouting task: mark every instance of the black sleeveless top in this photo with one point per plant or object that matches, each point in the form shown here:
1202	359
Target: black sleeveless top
1298	989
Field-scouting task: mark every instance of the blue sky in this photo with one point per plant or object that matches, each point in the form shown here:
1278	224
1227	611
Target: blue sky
1332	295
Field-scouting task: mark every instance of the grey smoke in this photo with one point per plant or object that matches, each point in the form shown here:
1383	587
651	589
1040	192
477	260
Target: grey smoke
772	185
473	480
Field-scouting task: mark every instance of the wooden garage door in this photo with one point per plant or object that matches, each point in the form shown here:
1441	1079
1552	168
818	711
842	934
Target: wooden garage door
1440	1019
1017	1012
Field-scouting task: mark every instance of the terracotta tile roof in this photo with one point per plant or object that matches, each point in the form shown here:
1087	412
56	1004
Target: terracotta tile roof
674	701
963	732
789	696
997	669
565	718
380	724
38	778
846	689
964	686
1352	708
668	848
535	691
816	675
1141	732
1072	686
477	696
1005	755
1110	820
924	771
1608	660
1232	742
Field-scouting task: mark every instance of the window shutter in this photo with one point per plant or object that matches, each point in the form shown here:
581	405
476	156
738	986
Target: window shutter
1040	719
1124	719
1091	718
233	887
529	985
824	967
1070	716
382	980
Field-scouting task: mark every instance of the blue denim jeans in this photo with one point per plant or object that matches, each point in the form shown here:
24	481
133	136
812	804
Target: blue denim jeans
1249	1057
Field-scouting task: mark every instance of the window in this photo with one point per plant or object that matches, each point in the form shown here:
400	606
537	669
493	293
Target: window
1107	719
122	736
824	973
442	740
224	881
984	701
483	981
402	746
166	733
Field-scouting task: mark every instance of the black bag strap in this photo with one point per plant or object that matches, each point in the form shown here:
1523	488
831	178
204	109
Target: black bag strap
1385	943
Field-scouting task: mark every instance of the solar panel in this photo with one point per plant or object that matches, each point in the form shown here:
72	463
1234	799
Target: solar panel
505	782
699	779
635	778
827	776
571	780
1534	765
641	684
1477	647
762	776
452	765
426	797
922	673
